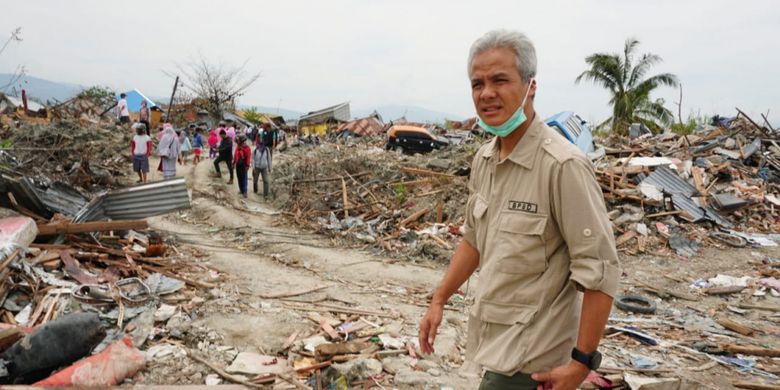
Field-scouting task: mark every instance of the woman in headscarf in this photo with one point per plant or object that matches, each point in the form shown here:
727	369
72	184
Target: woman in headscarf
168	149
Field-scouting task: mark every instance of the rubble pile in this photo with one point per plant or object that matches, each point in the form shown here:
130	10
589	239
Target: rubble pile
66	151
93	292
86	109
666	193
718	186
403	205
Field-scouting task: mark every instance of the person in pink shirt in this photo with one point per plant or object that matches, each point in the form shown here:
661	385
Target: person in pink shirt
231	131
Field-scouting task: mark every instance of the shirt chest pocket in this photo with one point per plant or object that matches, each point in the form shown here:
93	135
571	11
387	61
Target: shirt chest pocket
520	245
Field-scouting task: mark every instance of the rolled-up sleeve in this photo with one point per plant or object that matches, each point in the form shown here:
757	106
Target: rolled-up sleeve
467	230
578	207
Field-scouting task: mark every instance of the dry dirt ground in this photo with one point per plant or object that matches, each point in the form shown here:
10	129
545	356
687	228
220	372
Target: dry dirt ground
257	254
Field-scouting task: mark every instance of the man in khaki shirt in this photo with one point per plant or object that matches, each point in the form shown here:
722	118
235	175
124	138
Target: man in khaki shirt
536	227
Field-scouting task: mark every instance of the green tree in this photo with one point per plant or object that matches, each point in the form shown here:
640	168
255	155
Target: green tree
252	115
102	95
624	76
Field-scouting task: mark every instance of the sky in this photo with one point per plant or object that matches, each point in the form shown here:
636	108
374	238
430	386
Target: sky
314	54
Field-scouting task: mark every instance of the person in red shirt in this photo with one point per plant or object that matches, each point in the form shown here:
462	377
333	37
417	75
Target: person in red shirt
141	149
242	159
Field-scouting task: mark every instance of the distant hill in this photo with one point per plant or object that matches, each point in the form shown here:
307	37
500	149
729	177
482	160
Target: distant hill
41	89
412	113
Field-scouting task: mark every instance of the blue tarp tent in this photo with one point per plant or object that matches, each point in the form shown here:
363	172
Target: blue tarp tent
134	99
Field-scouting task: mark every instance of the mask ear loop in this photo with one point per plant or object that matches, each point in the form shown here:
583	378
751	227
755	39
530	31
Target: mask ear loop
528	92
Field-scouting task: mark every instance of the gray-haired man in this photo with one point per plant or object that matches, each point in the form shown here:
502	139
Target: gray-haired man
537	229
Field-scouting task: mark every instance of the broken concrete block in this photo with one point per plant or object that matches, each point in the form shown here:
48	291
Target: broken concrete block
164	313
395	364
447	345
213	380
637	382
256	364
439	164
411	377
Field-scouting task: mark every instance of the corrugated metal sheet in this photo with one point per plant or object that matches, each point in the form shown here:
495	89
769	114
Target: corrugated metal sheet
364	127
138	202
42	198
669	182
59	197
338	112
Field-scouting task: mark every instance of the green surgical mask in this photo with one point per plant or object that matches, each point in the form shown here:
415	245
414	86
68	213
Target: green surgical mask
511	124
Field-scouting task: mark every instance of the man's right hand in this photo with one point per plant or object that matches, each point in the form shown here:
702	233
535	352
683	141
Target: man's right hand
428	327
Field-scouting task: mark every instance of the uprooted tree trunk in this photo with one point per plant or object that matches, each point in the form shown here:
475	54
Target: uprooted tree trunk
216	85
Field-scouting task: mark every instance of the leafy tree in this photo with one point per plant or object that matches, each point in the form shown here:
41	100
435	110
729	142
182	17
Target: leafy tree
625	77
252	115
103	95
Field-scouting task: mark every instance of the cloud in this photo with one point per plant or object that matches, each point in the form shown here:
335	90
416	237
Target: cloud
370	52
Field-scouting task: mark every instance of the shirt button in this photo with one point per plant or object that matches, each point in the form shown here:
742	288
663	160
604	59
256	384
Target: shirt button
547	141
586	232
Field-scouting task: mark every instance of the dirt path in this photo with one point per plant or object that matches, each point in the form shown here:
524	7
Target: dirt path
262	256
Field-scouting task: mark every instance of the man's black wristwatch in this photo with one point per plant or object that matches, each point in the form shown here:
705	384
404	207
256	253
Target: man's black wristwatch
590	360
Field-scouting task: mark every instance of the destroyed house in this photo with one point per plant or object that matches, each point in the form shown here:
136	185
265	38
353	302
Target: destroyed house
364	127
318	122
9	104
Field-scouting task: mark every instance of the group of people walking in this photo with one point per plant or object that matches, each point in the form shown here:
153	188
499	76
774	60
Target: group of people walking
227	144
241	157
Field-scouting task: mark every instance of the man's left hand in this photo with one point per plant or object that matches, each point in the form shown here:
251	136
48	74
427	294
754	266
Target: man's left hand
566	377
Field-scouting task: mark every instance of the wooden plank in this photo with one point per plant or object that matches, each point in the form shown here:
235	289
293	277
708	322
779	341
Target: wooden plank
89	227
413	218
335	178
292	293
74	271
755	386
341	348
726	290
735	326
623	170
345	197
759	307
752	351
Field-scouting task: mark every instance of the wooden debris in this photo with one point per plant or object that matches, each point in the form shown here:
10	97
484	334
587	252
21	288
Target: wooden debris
414	217
725	290
89	227
755	386
329	350
735	326
752	351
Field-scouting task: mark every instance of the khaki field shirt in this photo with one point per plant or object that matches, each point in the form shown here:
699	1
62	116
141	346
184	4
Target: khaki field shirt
540	225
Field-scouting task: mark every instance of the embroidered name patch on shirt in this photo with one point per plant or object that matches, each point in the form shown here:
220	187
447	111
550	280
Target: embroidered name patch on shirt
523	206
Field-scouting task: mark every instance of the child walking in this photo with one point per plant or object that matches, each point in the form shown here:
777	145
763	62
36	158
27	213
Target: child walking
141	149
197	145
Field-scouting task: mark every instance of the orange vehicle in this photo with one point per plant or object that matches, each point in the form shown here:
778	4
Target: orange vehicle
413	139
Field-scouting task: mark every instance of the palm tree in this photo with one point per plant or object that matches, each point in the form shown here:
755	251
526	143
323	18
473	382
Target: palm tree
630	90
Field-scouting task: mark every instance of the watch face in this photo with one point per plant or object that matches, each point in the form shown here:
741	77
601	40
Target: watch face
595	363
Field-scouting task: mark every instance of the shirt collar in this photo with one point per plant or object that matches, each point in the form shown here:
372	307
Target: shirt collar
524	153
